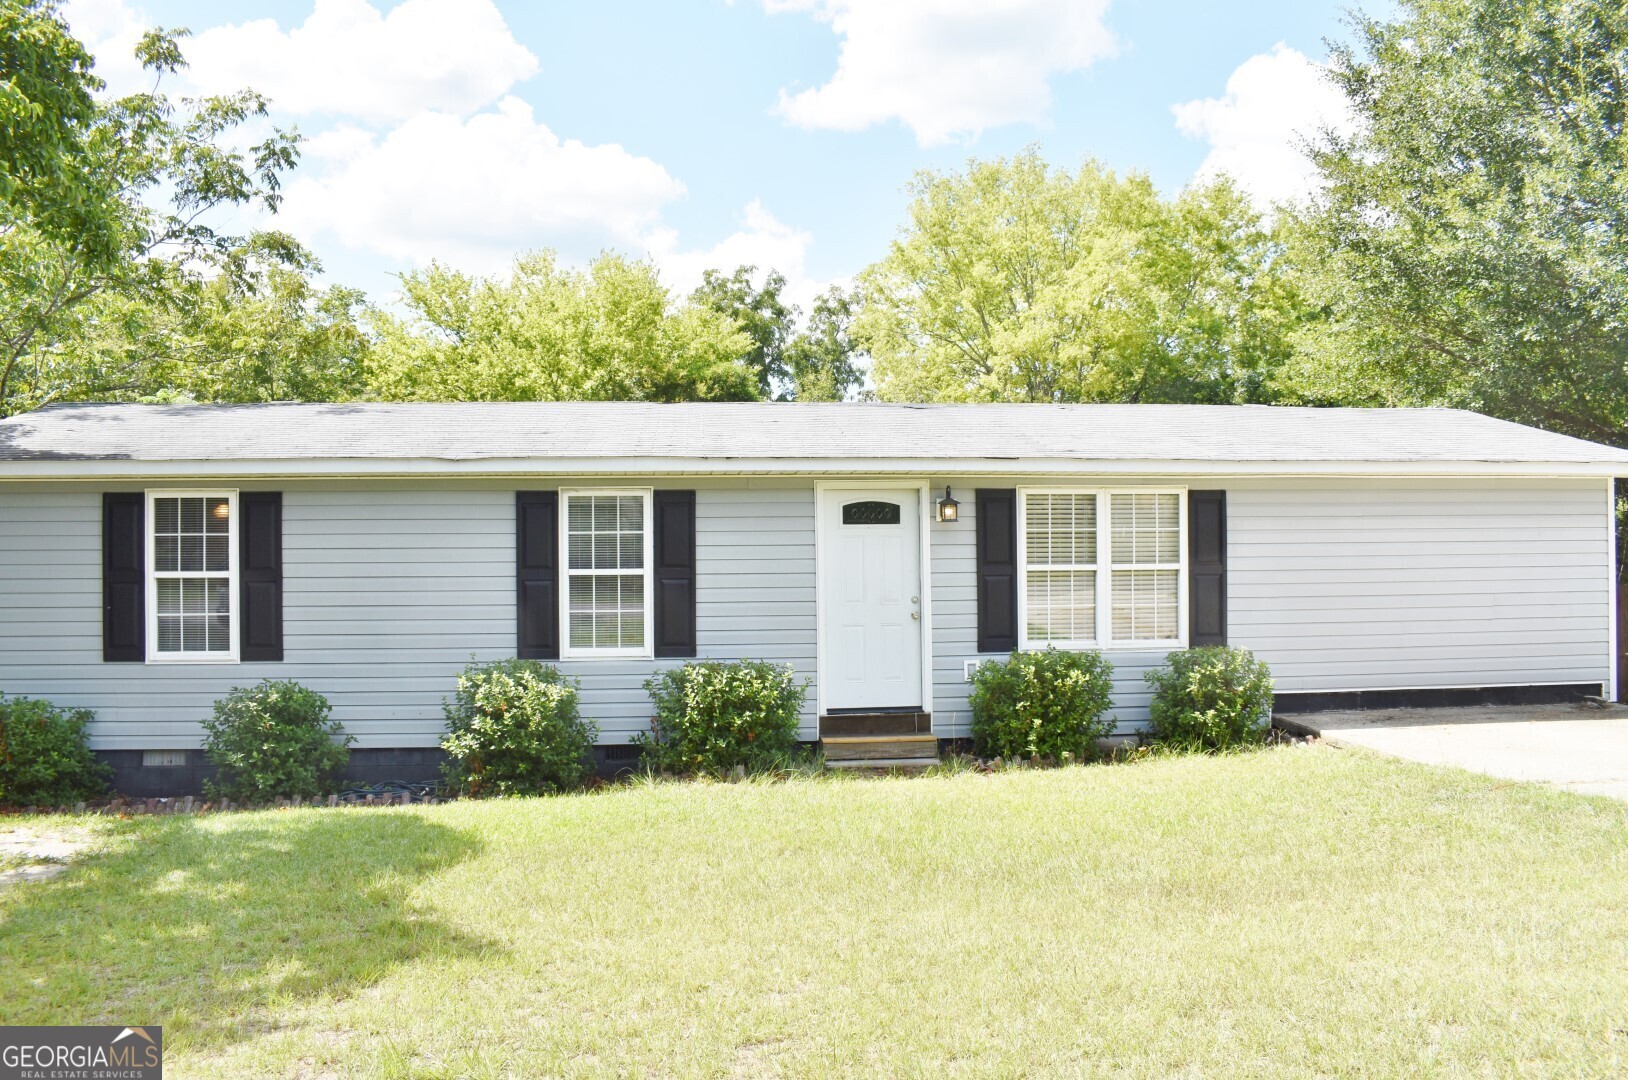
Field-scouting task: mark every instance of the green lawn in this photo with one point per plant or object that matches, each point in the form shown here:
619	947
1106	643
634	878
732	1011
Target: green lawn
1297	911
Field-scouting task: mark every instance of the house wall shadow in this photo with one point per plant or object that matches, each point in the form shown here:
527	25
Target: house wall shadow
202	925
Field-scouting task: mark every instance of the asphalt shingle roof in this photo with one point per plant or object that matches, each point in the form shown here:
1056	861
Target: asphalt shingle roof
763	432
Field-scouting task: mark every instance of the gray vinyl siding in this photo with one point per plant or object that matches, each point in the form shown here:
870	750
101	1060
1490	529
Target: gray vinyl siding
389	590
1360	584
391	587
1386	584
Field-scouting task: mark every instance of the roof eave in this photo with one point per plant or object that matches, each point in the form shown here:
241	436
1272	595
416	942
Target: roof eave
129	469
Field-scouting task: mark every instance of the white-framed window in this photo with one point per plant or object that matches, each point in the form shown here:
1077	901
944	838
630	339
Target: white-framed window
606	537
1060	544
1145	564
1102	568
192	576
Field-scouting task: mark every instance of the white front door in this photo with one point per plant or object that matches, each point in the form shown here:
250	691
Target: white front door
870	593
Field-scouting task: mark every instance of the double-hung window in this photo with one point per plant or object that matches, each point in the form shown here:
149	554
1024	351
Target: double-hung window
192	575
1102	568
1145	553
1060	586
606	537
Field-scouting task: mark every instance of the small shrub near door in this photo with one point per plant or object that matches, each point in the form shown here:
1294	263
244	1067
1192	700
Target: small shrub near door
274	740
713	715
1042	704
44	758
1211	698
513	729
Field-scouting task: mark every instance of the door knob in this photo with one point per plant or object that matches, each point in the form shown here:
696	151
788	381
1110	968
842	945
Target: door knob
915	599
915	614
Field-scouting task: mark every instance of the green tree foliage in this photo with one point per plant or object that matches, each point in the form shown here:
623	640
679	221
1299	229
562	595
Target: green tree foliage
821	360
1015	281
142	178
548	333
761	315
46	111
258	330
815	363
1471	246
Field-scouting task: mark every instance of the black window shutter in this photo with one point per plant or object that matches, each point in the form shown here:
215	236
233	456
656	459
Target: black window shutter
996	526
124	577
675	573
537	568
260	575
1207	567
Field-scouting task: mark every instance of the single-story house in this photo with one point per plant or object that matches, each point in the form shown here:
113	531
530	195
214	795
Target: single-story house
152	557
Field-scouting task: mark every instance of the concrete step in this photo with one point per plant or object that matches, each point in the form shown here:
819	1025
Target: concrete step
882	723
880	747
882	763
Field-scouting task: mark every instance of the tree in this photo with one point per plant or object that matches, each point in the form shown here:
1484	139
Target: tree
46	111
815	363
1470	247
759	313
1015	281
551	334
260	329
144	178
819	361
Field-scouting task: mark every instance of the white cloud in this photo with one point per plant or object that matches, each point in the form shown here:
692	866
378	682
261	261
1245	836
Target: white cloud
347	59
415	152
1273	102
474	191
949	69
110	29
762	241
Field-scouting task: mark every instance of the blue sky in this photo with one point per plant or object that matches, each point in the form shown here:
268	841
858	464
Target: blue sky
774	131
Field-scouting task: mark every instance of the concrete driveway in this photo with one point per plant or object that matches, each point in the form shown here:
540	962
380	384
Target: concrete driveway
1578	748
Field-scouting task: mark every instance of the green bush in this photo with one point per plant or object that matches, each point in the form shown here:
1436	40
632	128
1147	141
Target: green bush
1041	704
514	729
44	759
1211	698
274	740
713	715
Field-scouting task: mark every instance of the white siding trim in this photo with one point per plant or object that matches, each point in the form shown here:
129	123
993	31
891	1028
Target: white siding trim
531	469
1611	580
1105	567
150	576
648	652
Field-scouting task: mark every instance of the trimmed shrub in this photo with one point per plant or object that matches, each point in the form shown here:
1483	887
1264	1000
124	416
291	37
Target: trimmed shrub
274	740
44	758
1211	698
513	729
714	715
1042	704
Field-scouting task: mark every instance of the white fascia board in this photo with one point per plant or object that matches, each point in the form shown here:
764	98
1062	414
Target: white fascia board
132	469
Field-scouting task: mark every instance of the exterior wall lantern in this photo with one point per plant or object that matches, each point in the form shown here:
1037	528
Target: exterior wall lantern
948	508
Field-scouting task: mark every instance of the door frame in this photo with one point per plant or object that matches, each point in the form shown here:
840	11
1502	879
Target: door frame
925	517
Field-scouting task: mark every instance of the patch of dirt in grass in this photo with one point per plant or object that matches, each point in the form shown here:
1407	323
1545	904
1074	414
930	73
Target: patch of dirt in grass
36	853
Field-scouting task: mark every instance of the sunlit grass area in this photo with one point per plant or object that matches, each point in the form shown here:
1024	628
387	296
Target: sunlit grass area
1296	911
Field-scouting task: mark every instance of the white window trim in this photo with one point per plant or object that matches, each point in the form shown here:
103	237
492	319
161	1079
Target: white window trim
648	651
1105	567
1097	568
150	576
